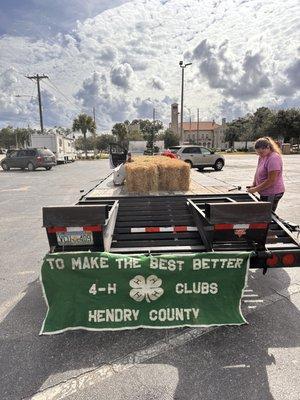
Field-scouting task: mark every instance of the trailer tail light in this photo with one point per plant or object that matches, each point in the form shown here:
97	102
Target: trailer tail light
271	262
288	260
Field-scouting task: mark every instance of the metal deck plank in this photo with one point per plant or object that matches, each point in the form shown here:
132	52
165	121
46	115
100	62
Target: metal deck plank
155	243
158	235
164	222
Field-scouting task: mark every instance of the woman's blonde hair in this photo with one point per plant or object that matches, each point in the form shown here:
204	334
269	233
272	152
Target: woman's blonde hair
267	142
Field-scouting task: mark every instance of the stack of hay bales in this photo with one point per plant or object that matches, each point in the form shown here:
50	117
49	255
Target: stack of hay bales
150	174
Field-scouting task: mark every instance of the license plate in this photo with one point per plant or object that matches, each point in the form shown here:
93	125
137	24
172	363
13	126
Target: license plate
80	238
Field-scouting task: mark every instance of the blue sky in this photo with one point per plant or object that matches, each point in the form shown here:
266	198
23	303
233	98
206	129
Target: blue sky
42	18
121	57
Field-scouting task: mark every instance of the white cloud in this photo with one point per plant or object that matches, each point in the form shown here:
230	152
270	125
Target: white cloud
158	83
121	75
239	62
289	84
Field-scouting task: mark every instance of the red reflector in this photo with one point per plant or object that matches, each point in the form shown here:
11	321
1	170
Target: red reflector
180	228
261	225
288	259
93	228
271	262
219	227
152	229
54	229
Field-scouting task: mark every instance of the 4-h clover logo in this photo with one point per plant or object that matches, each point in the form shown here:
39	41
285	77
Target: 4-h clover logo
146	288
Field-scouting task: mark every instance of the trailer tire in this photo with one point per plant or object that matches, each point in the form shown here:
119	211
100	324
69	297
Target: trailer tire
5	167
30	167
48	168
219	164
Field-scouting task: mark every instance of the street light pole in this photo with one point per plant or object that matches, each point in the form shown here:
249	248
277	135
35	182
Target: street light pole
182	66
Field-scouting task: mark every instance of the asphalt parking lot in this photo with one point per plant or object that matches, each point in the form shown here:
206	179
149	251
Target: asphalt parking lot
256	361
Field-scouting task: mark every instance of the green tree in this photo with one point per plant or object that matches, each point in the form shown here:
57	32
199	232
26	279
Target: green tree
120	131
287	123
22	136
84	123
263	122
135	135
7	137
233	131
103	142
82	144
170	138
149	130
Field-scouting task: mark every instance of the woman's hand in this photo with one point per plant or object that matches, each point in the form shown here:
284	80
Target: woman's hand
252	189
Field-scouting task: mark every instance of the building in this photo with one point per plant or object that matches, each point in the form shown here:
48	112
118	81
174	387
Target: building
174	118
204	133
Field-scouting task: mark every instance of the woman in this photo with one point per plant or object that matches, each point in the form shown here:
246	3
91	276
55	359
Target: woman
268	180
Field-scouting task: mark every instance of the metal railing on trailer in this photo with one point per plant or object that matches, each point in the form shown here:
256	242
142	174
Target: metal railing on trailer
174	224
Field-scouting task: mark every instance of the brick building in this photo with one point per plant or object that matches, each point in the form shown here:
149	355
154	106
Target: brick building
204	133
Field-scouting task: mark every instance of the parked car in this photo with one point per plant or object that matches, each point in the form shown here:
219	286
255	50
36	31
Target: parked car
29	158
199	157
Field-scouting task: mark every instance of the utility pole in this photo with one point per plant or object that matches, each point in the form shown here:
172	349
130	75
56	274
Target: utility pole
153	132
37	78
182	66
94	133
94	115
197	125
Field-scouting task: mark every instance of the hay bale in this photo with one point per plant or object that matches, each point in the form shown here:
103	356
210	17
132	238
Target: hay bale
141	178
150	174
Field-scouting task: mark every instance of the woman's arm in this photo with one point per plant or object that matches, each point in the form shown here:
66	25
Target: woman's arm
272	176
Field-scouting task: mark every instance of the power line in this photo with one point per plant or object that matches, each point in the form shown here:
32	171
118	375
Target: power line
52	88
59	91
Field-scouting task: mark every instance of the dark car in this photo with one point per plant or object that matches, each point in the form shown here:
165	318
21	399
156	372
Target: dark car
29	158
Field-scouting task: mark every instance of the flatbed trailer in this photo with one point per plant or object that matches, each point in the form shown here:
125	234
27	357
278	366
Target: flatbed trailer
204	219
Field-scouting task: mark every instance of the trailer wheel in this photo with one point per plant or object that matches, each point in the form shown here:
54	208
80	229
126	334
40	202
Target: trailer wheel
5	167
219	164
30	167
48	168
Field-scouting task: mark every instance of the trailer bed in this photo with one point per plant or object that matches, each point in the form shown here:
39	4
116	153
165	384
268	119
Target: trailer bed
177	222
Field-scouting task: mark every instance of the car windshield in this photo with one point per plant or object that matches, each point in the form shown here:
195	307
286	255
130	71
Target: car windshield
174	150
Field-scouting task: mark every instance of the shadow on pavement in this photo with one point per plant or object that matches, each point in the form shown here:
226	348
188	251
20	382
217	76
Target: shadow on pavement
232	362
27	360
227	363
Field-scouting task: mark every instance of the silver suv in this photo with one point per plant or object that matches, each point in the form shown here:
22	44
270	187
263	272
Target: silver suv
199	157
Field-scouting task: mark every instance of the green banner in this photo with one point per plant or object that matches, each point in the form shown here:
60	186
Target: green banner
103	291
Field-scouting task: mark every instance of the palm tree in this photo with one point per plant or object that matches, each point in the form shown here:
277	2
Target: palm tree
84	123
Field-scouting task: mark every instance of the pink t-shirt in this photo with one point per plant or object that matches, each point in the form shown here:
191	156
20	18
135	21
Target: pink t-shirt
273	162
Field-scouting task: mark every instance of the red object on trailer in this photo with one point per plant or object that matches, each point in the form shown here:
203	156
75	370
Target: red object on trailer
168	153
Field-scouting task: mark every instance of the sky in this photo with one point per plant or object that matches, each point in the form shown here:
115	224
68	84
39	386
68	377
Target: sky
122	58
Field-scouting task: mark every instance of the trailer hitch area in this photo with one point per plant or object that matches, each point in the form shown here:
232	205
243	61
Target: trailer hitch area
263	256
